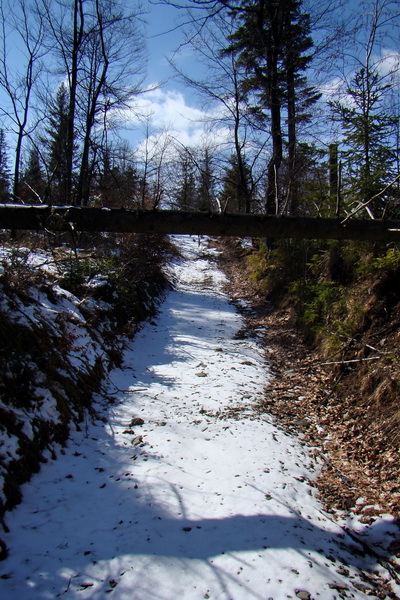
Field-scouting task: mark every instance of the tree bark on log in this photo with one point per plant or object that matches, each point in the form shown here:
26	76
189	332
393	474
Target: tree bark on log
67	218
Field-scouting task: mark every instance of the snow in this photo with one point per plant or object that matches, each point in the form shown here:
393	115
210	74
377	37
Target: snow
205	499
39	259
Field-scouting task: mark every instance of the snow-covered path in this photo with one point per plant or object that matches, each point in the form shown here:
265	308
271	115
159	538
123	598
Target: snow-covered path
199	501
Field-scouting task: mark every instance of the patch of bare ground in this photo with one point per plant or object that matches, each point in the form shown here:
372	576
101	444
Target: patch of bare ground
343	411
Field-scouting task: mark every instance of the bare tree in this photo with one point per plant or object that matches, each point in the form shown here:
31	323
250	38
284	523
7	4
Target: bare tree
222	91
24	30
99	48
155	155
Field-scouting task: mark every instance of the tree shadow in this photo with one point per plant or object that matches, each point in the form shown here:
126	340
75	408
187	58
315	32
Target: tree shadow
101	520
124	523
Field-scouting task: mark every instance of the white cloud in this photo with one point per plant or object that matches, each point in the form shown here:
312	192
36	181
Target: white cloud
159	114
388	64
165	109
332	89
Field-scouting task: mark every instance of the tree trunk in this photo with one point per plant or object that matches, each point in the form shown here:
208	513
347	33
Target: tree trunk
73	77
60	219
97	84
290	207
272	50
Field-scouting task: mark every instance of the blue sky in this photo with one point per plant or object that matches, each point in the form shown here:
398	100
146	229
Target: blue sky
175	107
171	106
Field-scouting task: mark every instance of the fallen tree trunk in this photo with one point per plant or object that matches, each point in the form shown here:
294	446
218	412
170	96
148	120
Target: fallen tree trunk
67	218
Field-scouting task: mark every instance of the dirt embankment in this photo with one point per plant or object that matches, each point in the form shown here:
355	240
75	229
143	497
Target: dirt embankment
348	412
63	321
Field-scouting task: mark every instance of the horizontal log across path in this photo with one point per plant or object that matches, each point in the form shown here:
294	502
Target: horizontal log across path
67	218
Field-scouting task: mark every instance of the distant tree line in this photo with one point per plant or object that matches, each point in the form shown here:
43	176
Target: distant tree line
307	118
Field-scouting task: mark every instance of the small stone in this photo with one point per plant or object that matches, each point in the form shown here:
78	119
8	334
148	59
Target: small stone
303	595
85	586
341	588
363	588
136	421
137	440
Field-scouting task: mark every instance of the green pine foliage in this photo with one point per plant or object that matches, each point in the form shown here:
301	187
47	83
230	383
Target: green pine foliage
185	193
369	151
237	187
56	142
336	290
4	171
33	187
273	44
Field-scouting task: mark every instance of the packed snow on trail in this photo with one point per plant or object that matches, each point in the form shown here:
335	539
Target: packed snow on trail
179	490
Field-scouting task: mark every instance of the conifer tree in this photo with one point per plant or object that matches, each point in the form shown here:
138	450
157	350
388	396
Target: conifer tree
369	152
116	183
273	41
57	143
185	195
33	184
206	183
236	189
4	172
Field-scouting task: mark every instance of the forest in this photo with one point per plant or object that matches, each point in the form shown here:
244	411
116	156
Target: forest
302	103
298	104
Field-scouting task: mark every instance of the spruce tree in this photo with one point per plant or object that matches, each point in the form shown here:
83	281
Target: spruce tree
273	43
33	183
369	153
235	191
185	195
57	145
206	183
4	172
116	183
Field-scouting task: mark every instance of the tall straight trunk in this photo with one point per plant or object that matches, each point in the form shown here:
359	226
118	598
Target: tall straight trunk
17	163
22	126
368	186
292	141
334	178
82	191
275	106
244	192
289	61
272	204
243	188
73	84
83	187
